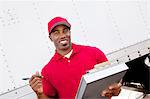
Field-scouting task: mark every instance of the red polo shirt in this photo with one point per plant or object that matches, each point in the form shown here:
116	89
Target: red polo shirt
62	76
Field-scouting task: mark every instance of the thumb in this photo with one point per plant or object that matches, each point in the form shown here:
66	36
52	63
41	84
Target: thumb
37	73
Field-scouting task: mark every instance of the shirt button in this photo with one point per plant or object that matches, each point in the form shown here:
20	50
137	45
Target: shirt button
69	61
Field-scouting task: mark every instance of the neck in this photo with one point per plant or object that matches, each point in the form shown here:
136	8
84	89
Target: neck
64	52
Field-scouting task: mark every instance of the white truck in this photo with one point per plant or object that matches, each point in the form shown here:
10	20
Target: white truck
120	28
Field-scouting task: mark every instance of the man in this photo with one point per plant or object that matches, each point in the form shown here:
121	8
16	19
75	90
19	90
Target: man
62	75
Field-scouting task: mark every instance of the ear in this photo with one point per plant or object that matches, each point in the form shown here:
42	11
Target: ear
70	32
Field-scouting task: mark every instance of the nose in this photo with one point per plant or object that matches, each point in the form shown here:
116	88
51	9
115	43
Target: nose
62	34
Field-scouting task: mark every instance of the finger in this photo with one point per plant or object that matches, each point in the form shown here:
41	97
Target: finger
31	78
37	73
111	92
116	92
38	89
106	92
103	93
36	85
34	81
115	86
119	84
116	89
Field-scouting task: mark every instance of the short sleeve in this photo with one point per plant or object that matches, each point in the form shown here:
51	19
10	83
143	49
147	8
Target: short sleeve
48	88
100	56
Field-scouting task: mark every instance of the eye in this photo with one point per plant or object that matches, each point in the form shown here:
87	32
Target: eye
66	30
56	32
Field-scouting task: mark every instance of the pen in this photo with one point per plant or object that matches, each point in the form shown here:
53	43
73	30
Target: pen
25	78
30	78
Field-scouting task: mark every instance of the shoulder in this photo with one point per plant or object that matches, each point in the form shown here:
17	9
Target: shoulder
47	67
88	48
93	53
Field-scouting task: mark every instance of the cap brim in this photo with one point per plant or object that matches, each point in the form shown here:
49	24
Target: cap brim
60	23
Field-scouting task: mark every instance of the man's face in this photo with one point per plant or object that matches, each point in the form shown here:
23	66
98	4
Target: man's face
61	37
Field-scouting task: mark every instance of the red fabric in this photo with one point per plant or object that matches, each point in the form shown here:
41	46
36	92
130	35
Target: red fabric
63	77
109	97
57	21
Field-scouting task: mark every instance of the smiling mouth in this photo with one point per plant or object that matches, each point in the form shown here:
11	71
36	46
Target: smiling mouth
64	43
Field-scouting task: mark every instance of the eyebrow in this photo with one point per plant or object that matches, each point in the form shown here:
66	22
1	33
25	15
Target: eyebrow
58	30
54	30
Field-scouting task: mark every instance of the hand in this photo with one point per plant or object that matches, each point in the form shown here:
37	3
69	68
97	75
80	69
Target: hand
36	83
112	90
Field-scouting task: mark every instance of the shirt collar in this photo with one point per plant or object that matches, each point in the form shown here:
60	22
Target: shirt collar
75	48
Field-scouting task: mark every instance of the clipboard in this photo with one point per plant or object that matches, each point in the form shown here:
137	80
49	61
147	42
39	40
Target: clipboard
94	82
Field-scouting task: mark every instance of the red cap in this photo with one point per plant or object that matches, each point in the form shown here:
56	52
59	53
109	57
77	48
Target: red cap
57	21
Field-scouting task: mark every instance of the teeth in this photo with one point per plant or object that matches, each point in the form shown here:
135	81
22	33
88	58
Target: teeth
63	42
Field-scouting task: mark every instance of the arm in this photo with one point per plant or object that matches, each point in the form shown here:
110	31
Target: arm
102	64
42	96
114	89
36	84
